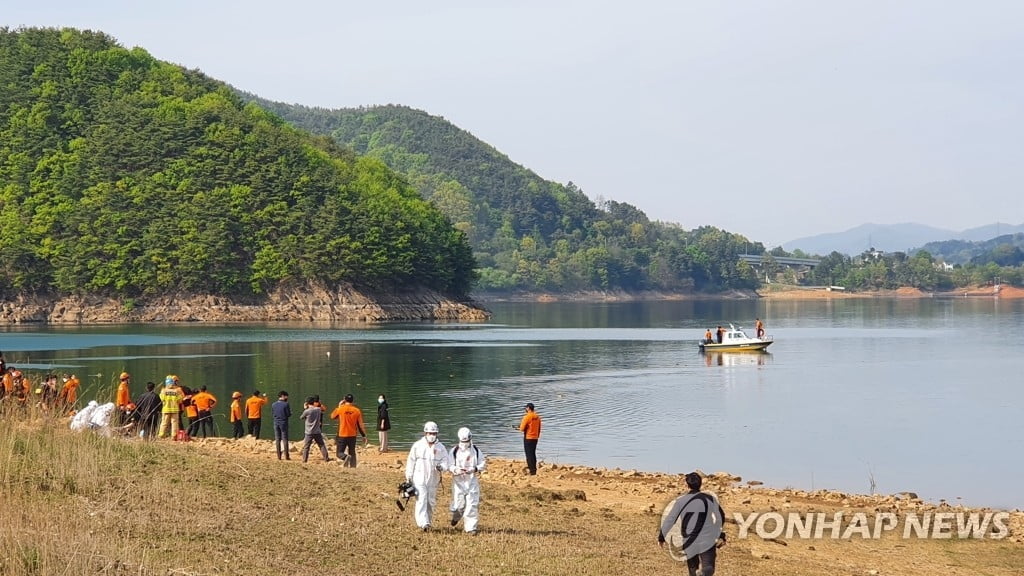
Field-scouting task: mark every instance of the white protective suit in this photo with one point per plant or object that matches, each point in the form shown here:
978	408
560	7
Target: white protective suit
466	461
423	468
80	421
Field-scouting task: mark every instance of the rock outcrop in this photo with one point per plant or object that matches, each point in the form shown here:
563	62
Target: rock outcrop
310	303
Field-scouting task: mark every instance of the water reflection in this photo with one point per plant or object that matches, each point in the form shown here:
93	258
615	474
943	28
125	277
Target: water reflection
744	358
849	385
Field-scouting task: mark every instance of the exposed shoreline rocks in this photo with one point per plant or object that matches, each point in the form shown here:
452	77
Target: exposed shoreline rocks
309	304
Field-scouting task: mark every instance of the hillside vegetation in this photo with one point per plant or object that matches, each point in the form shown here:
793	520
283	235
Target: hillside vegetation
528	233
124	175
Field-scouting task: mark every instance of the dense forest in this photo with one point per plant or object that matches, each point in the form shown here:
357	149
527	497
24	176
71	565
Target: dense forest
127	176
528	233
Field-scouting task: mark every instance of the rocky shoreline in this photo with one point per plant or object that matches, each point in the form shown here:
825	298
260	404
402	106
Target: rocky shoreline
308	304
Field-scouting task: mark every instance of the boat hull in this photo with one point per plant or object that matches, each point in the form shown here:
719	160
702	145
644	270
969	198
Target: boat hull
755	346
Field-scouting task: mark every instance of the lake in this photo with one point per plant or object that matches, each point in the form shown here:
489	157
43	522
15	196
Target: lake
854	395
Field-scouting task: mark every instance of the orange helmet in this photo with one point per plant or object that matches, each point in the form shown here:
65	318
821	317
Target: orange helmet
236	394
125	375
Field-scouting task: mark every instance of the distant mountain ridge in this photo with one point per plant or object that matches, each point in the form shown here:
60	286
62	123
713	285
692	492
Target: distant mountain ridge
903	237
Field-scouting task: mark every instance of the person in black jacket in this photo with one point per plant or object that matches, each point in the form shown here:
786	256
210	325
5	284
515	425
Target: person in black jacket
383	422
147	407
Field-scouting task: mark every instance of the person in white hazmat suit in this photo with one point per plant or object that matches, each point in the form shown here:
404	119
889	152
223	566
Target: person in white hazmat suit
427	459
466	462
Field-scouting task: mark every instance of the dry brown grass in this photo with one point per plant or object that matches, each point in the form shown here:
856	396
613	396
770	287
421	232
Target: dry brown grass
77	503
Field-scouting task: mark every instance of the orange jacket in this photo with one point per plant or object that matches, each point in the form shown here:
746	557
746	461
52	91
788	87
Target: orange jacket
69	393
236	411
123	395
190	409
254	407
204	401
530	425
350	421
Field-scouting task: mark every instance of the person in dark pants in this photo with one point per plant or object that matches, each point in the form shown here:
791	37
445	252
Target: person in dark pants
701	527
350	423
281	411
205	403
312	418
530	427
254	412
235	415
148	406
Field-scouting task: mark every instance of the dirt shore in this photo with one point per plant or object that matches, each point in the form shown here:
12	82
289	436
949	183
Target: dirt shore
635	499
791	293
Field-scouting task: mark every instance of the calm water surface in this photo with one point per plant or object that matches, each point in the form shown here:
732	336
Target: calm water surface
920	395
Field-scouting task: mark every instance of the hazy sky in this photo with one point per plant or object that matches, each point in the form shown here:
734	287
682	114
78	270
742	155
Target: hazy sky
773	119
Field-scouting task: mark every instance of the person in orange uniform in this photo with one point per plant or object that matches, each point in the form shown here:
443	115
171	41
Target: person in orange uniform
235	415
8	382
191	412
123	397
254	412
204	403
350	422
530	427
21	389
69	393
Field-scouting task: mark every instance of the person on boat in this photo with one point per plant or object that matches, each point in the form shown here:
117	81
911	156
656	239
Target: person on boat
718	334
760	328
707	336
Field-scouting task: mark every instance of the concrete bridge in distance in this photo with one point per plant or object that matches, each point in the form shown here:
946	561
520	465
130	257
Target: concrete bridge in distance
798	263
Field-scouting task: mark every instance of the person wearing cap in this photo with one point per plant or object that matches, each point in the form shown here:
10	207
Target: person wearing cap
701	524
170	399
123	397
466	461
235	415
254	412
427	459
350	422
281	411
313	417
530	427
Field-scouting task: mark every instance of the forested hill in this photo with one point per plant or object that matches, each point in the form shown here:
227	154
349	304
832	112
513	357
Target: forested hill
528	233
124	175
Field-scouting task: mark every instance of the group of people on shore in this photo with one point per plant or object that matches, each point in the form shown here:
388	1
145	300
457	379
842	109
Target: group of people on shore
161	414
16	392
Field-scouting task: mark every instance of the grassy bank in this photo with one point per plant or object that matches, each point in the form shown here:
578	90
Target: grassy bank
78	503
